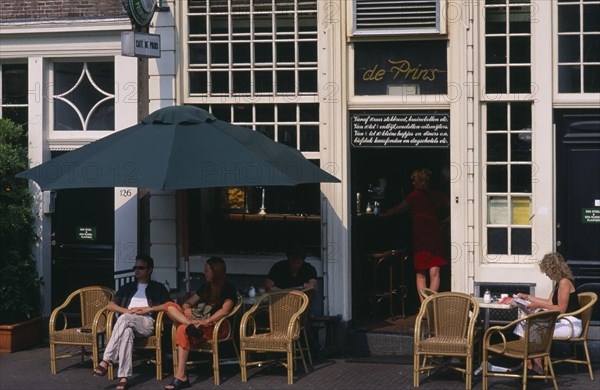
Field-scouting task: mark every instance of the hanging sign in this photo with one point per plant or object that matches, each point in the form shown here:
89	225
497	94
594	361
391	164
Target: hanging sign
400	129
140	11
137	44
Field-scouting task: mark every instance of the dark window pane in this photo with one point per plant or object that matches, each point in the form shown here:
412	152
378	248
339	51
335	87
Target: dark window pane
519	20
17	115
65	117
520	50
66	75
495	50
285	52
218	24
103	118
568	18
197	82
568	48
497	241
103	75
520	116
222	112
284	23
520	178
496	116
591	77
263	52
496	148
286	112
241	82
287	135
496	178
591	48
197	24
240	23
219	53
520	241
307	51
569	79
242	113
264	81
591	17
307	81
495	20
265	113
309	112
241	53
309	138
495	80
520	147
14	84
198	54
520	79
285	81
219	82
268	130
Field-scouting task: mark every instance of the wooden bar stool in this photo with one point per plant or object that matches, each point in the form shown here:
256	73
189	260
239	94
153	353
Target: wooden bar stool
383	288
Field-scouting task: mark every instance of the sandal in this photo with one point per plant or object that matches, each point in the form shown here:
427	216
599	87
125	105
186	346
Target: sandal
101	368
178	384
123	384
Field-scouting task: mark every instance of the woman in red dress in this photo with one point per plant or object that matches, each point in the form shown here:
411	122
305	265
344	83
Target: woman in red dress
426	205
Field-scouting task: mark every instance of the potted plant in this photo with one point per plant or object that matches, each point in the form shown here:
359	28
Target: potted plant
20	320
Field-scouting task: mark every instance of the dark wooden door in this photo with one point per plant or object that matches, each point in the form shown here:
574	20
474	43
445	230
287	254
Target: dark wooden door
578	191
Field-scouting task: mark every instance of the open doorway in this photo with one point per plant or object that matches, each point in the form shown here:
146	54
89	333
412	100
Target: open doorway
382	176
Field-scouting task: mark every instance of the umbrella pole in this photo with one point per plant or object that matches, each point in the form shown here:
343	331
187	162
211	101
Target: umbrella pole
183	197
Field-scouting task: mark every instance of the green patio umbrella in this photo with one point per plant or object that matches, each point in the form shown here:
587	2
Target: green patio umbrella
179	147
175	148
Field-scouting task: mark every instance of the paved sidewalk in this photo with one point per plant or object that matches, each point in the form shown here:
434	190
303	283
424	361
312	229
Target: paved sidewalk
31	370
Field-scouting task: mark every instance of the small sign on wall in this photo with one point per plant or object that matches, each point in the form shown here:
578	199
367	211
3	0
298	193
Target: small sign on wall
400	129
86	233
137	44
591	215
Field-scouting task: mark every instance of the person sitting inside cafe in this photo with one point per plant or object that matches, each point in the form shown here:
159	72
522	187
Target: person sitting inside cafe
293	272
196	318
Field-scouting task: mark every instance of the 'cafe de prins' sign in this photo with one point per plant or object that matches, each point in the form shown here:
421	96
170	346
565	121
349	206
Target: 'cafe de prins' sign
414	67
400	129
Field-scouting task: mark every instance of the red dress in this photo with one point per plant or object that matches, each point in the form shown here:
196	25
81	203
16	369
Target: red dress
428	235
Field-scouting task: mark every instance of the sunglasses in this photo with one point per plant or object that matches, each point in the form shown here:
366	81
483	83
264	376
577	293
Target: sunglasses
140	267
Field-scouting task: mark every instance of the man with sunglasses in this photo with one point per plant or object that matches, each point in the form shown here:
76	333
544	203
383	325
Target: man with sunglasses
135	302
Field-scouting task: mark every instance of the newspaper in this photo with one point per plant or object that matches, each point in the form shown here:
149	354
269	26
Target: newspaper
522	305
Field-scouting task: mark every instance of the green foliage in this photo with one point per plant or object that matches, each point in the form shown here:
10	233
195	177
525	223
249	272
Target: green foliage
19	280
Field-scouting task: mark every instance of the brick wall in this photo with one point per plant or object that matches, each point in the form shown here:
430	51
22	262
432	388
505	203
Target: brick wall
45	10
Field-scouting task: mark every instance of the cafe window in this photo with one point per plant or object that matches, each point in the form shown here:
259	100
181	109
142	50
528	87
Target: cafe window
255	64
83	95
401	68
507	128
14	93
380	17
578	46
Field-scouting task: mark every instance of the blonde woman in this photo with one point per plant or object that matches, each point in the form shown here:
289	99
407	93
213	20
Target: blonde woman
426	206
563	298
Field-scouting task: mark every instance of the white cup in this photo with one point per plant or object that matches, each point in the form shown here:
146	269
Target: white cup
502	296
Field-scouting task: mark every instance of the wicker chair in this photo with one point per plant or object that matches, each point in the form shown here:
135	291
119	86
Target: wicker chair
153	342
536	343
285	309
93	301
587	300
454	317
212	346
300	349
